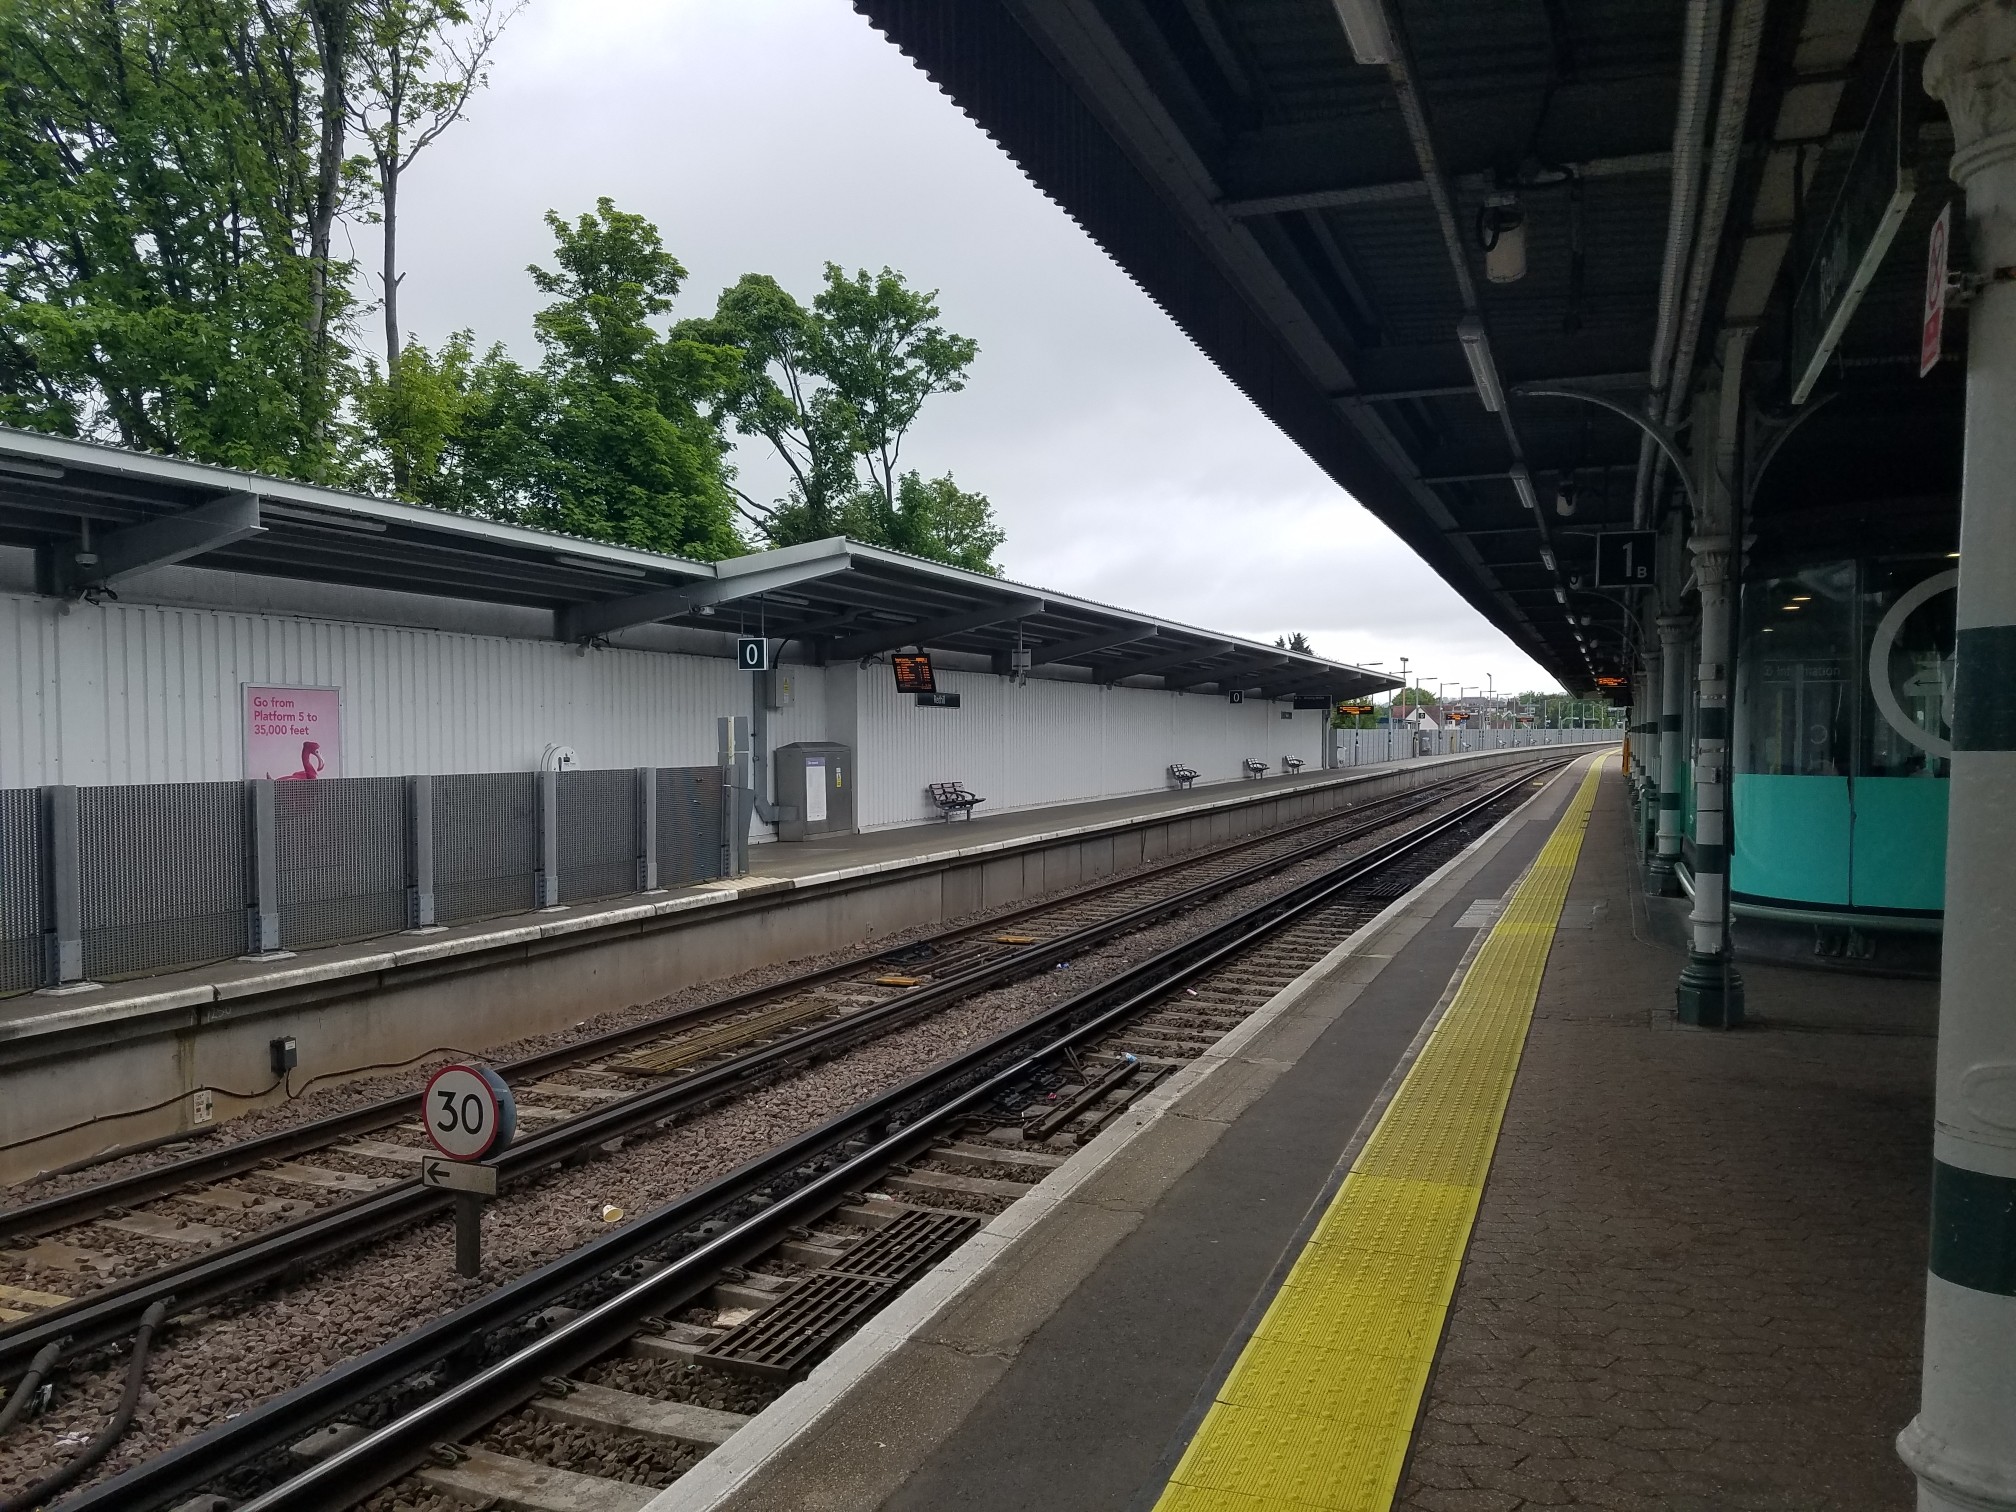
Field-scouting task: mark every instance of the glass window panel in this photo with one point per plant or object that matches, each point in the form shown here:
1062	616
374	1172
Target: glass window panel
1795	673
1920	669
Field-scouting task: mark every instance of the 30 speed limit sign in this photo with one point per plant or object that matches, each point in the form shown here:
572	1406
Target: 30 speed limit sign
469	1112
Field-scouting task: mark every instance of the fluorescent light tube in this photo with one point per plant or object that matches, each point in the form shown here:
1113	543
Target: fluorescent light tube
1560	595
1547	558
1483	371
1366	30
1523	481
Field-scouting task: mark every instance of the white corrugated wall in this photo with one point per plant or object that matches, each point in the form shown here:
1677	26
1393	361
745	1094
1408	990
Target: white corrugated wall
134	693
1056	742
131	693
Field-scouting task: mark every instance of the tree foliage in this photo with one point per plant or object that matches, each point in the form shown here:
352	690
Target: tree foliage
159	199
173	177
609	438
835	388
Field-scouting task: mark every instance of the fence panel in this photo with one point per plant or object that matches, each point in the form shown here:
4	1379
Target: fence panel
21	885
486	845
598	834
341	848
689	825
162	872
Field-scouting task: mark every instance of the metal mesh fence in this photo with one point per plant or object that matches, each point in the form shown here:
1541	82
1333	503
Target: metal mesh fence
598	834
486	844
340	849
162	872
689	825
20	891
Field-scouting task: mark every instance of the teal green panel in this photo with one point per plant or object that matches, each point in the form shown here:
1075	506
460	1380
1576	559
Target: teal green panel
1792	838
1900	842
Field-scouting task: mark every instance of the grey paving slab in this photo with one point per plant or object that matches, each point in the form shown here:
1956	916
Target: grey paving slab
1696	1278
1099	1399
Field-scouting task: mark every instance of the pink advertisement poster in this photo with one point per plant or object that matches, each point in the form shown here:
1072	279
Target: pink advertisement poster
293	734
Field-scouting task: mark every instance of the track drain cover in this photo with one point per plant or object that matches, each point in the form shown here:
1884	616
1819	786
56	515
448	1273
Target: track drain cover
796	1328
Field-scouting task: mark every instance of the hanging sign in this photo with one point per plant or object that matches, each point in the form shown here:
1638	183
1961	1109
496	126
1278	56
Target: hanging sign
293	734
1867	211
752	653
1932	330
913	673
1624	558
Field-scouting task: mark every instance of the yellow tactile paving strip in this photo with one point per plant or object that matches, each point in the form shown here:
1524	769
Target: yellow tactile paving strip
1320	1407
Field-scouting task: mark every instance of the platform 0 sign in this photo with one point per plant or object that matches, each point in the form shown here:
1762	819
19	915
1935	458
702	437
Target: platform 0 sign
293	734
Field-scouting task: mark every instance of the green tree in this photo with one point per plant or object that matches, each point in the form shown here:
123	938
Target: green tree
835	388
1295	641
161	198
415	65
609	438
936	519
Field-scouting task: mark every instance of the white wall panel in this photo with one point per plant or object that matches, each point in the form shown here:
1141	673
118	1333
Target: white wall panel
139	693
1055	742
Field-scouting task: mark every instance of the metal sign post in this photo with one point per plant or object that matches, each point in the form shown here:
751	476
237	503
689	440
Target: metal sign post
468	1113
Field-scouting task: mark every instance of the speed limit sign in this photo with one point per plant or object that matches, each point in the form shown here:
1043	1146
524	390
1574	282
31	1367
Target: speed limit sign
468	1111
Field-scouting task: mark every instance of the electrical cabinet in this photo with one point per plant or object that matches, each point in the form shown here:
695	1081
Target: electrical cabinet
815	778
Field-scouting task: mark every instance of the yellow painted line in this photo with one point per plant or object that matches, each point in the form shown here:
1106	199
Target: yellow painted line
1320	1408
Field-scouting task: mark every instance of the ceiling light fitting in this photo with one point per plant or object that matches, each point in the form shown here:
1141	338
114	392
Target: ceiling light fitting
1483	371
1501	236
1365	28
1560	595
1522	480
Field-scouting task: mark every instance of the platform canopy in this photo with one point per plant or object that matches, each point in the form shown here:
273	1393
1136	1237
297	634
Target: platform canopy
1311	206
98	515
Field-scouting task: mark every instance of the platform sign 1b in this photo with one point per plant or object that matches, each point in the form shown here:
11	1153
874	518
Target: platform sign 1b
1624	558
468	1112
752	653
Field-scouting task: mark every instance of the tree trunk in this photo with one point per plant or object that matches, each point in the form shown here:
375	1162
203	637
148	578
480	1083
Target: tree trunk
388	177
330	20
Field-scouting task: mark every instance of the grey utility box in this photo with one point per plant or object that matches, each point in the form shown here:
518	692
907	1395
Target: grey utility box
815	779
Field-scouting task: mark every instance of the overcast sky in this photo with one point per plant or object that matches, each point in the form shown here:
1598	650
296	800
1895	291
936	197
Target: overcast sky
775	135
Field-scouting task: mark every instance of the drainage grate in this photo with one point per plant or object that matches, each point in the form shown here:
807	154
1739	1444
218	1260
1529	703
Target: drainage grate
898	1250
796	1328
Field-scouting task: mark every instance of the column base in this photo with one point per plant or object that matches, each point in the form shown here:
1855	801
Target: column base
1700	998
1661	879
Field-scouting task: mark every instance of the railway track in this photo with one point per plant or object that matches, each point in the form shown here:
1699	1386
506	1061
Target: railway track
201	1229
752	1277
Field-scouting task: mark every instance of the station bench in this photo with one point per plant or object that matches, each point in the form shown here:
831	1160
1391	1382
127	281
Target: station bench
1182	775
1292	764
952	799
1254	766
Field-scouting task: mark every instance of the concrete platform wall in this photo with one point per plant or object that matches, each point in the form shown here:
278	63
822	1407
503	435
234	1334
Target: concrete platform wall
74	1083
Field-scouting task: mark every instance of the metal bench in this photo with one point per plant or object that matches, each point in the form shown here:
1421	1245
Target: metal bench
1254	766
952	799
1292	764
1182	775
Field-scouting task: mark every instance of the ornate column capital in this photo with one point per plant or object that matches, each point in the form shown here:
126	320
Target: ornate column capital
1971	70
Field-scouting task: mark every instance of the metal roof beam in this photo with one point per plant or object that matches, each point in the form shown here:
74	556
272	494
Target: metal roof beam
1242	672
1113	672
924	632
1085	645
159	542
1417	189
580	621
